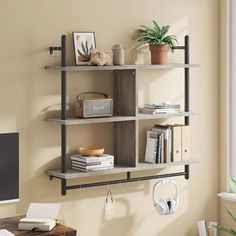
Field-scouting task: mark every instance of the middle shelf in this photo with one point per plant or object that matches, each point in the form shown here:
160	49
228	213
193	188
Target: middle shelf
140	116
72	174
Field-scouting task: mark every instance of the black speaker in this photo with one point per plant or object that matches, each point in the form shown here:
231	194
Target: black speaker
9	167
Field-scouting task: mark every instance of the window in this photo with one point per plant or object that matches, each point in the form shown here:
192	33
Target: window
232	88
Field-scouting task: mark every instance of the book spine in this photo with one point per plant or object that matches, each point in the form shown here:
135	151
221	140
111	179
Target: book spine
92	167
157	150
92	159
202	228
92	163
91	170
162	148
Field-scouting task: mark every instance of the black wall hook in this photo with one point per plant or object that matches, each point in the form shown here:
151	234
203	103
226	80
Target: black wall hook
53	49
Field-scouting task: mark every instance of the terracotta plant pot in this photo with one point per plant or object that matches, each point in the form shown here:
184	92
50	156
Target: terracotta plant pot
159	54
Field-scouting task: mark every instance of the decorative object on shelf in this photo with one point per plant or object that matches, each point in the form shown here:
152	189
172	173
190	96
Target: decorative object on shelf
161	108
84	42
90	163
100	58
94	104
118	52
165	206
109	205
91	151
159	42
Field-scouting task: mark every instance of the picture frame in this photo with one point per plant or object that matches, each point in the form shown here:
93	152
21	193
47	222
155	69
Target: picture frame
83	42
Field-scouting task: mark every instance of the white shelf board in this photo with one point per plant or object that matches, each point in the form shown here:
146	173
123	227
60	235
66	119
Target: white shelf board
124	67
72	174
78	121
140	116
227	196
143	116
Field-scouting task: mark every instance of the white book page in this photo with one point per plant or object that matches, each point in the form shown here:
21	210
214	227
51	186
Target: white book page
43	210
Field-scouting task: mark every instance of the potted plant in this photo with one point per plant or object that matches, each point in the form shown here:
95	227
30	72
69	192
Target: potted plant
159	42
232	184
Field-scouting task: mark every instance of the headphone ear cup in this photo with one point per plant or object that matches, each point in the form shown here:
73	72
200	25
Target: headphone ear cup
172	205
162	207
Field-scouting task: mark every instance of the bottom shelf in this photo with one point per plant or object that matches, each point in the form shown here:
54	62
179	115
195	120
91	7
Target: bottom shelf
72	174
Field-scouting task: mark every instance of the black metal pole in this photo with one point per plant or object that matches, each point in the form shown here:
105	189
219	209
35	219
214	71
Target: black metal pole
186	78
63	113
128	180
186	169
186	90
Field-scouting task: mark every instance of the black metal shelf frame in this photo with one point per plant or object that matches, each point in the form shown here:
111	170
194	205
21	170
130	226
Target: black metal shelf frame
64	186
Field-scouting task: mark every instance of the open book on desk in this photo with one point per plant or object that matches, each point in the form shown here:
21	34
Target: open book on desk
40	217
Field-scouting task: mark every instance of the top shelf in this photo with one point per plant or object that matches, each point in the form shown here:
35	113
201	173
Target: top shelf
124	67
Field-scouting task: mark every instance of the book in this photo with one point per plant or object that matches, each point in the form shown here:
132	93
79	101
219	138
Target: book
162	105
159	111
165	131
101	163
40	216
36	224
158	154
91	159
151	147
5	232
202	228
162	148
93	166
91	170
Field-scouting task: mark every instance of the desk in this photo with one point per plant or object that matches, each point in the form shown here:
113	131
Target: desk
11	225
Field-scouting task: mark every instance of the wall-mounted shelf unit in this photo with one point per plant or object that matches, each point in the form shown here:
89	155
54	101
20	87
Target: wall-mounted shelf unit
126	121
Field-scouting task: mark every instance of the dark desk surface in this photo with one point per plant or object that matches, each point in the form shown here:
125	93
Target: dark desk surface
11	225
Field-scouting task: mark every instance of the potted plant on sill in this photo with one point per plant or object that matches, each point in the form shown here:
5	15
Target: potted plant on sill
230	231
159	42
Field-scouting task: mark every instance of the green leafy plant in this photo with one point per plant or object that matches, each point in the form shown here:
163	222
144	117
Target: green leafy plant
156	35
232	184
85	53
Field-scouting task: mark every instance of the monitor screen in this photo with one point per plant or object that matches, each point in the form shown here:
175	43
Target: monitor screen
9	167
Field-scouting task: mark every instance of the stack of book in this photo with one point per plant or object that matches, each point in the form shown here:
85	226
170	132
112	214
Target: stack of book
92	163
167	143
161	108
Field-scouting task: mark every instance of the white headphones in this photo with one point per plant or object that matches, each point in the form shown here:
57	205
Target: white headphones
168	206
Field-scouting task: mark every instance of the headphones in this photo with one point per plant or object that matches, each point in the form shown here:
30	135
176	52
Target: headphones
168	206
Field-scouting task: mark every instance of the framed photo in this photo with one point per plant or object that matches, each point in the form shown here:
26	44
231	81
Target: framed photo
83	43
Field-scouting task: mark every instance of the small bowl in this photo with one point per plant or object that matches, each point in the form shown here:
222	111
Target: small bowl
91	151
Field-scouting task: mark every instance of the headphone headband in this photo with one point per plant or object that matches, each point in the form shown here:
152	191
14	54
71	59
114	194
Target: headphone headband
157	185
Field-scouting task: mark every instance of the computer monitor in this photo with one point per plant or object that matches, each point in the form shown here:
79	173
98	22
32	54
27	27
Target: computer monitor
9	167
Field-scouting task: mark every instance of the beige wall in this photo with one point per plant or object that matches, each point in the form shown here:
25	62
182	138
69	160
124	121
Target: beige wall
28	93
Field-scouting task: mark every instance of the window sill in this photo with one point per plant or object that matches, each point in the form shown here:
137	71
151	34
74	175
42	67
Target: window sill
227	196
